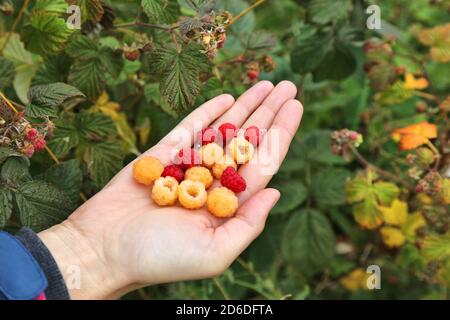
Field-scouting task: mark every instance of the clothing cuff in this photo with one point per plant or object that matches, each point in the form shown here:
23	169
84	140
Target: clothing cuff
57	289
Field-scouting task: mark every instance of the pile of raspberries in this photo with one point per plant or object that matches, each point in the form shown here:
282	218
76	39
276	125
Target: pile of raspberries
193	171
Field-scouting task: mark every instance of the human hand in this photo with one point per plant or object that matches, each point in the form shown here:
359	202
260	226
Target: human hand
122	241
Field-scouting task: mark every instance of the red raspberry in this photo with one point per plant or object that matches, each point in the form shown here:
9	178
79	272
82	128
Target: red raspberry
39	144
207	135
32	134
253	135
187	158
232	180
253	74
173	171
227	131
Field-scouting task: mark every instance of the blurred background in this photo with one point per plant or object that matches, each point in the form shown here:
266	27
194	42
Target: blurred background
366	181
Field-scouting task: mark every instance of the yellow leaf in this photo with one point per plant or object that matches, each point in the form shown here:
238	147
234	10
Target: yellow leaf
392	237
416	135
357	279
107	107
415	83
414	222
396	214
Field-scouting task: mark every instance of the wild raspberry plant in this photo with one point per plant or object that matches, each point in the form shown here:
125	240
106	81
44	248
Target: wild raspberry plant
105	93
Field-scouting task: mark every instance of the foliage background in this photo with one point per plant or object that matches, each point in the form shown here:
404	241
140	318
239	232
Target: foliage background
114	108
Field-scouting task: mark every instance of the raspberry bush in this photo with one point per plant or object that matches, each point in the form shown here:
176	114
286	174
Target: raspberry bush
366	182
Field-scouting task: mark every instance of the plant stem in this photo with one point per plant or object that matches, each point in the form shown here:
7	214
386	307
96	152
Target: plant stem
436	154
221	289
243	13
380	171
144	24
13	28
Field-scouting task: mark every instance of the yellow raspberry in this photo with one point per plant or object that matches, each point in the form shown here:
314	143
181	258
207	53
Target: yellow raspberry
200	174
165	191
147	169
222	202
211	153
222	164
192	194
241	150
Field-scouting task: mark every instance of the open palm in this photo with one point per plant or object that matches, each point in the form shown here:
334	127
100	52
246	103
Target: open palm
146	244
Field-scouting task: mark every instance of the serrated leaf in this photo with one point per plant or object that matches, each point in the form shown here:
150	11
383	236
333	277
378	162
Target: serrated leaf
104	160
45	33
88	76
261	41
328	186
325	11
67	177
15	171
309	50
52	94
162	11
7	70
179	72
94	126
367	213
41	205
201	5
6	153
386	192
5	205
293	193
82	47
309	241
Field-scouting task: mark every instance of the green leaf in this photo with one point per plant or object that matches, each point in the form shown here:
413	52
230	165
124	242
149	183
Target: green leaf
82	47
328	186
293	193
65	137
67	177
15	51
161	11
45	33
55	6
338	64
6	153
179	74
22	80
261	41
244	25
309	50
95	126
54	69
437	247
7	70
52	94
104	160
41	205
15	171
309	241
5	206
386	192
325	11
88	76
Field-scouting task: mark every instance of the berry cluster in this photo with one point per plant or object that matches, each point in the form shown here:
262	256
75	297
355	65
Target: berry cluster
18	133
193	171
343	140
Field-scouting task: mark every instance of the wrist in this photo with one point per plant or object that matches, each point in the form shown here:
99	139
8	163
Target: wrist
82	261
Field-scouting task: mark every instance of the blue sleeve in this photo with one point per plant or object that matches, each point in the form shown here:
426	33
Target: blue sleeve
27	268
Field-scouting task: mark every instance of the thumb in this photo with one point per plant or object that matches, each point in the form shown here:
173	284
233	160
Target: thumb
237	233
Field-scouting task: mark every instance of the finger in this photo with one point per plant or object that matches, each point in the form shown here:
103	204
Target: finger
264	115
236	234
182	136
246	104
272	150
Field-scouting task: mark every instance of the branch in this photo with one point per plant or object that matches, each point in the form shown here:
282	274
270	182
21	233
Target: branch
148	25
